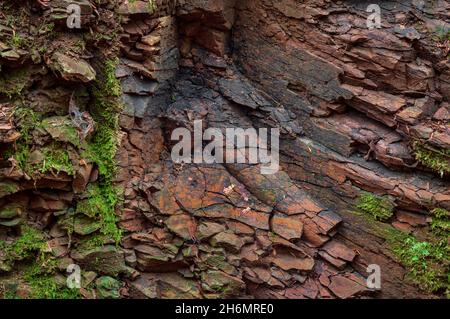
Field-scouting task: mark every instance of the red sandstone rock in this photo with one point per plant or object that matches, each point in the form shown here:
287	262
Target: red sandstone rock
287	227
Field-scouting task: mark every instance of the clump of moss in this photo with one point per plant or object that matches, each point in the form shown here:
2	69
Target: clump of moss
152	5
100	203
440	224
428	263
102	197
8	187
30	242
379	207
39	275
15	41
94	241
52	158
111	84
56	160
437	160
101	150
28	120
44	285
13	83
442	34
63	129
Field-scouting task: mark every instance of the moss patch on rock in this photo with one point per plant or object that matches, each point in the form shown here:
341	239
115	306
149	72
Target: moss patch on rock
428	263
102	197
13	83
440	224
44	285
437	160
379	207
25	246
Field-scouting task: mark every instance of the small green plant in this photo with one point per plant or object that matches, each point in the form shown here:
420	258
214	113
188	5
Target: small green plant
380	208
16	40
437	160
46	28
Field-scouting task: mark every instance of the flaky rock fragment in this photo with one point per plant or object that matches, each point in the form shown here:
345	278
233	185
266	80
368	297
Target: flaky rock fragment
287	227
107	260
345	287
72	68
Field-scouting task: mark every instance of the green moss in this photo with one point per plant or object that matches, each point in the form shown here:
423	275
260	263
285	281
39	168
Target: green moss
380	208
10	295
39	275
15	41
46	28
27	245
111	84
93	241
44	285
440	224
152	5
108	287
28	120
102	150
13	83
442	34
61	129
52	158
428	263
100	203
8	187
437	160
56	160
102	197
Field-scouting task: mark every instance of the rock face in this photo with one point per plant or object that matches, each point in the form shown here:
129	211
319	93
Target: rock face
359	110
